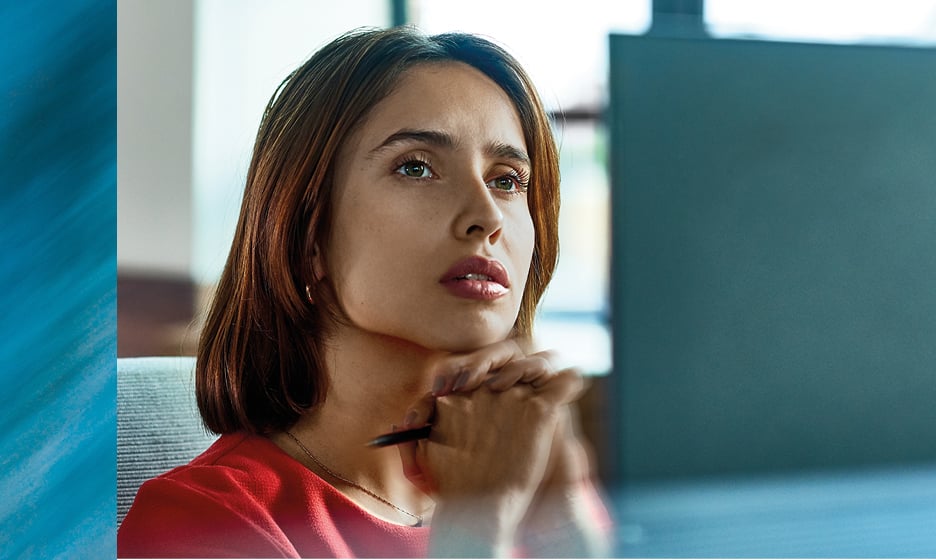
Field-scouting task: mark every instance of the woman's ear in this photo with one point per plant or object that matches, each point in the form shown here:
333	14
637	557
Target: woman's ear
318	272
318	264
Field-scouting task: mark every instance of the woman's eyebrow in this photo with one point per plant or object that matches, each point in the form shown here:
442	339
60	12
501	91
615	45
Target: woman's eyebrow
436	138
508	151
443	139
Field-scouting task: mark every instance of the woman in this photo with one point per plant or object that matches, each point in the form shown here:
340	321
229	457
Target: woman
397	231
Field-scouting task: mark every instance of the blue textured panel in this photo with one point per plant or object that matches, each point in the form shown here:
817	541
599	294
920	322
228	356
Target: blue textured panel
58	276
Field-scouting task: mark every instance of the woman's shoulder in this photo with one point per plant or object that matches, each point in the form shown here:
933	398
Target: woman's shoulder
240	459
236	468
239	470
245	497
233	491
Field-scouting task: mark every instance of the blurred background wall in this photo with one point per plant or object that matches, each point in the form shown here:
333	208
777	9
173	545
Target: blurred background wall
193	79
775	255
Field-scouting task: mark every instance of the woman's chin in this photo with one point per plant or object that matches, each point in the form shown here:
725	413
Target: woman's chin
468	340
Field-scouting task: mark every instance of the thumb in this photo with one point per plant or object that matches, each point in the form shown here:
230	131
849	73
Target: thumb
418	415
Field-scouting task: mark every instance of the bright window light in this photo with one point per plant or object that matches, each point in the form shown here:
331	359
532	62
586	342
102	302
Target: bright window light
563	46
906	22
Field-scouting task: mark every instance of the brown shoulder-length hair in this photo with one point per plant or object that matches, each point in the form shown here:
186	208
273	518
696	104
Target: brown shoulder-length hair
260	360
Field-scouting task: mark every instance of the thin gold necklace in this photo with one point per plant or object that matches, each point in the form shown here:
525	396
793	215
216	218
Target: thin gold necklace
418	518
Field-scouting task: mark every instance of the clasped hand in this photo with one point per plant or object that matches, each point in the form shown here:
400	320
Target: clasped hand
501	440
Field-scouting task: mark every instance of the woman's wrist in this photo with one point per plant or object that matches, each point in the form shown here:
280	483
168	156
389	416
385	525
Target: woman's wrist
567	522
475	528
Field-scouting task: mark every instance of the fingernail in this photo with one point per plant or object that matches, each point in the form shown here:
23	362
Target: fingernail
438	385
460	381
410	418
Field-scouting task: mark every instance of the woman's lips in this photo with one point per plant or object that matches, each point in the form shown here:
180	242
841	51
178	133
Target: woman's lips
477	278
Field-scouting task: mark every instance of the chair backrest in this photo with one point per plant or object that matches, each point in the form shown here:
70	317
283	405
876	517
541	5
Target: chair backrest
158	426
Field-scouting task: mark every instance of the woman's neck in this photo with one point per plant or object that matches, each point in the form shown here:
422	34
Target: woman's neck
373	380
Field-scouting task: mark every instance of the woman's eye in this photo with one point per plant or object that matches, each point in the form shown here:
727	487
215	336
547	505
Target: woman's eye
503	183
507	183
415	169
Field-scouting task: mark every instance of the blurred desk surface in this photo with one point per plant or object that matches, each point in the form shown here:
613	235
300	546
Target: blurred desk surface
870	513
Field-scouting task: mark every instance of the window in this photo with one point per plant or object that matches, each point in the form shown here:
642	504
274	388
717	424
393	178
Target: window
905	22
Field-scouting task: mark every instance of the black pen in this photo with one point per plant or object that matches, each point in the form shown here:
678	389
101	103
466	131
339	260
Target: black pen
394	438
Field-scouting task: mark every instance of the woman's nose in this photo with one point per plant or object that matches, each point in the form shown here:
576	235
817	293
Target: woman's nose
480	216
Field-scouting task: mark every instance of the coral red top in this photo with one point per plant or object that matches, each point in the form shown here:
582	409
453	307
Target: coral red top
244	497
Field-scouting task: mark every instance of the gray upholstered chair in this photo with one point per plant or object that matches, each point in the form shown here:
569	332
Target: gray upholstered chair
158	426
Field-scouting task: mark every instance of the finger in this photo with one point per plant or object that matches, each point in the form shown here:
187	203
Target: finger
409	453
564	387
526	370
420	412
466	372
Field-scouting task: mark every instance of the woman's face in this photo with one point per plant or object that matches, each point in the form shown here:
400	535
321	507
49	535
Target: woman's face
431	236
